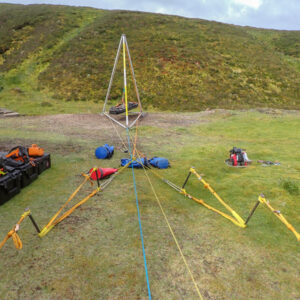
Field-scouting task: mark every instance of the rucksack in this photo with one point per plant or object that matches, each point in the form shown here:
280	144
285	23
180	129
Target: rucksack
138	163
18	154
34	150
237	157
104	152
159	162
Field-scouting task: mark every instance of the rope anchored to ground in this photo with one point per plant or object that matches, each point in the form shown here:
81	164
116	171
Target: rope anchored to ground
13	233
235	218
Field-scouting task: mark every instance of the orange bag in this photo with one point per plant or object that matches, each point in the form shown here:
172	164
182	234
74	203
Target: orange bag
34	150
18	153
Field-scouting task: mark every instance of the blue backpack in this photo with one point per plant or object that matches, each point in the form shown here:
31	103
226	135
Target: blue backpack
159	162
105	151
136	163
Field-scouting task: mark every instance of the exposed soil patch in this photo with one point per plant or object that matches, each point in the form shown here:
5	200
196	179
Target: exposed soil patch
62	149
97	127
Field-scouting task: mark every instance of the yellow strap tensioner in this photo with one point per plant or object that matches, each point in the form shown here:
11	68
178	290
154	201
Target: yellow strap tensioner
278	214
238	218
13	233
55	220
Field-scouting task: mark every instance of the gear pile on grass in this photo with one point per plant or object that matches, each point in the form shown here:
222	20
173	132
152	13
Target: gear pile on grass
137	159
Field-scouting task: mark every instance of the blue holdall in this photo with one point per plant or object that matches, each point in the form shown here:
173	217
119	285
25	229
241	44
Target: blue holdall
104	152
138	163
159	162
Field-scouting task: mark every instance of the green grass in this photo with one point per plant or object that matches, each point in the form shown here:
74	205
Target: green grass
96	252
56	54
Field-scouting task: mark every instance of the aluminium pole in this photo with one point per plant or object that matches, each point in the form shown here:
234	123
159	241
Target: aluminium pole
125	81
134	80
112	74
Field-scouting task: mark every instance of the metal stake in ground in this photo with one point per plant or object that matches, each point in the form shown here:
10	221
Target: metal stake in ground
252	212
33	221
186	180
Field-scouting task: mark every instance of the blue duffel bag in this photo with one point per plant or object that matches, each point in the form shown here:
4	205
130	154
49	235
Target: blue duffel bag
138	163
159	162
105	151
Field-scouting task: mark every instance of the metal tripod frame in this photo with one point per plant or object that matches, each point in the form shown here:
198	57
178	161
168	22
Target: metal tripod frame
123	42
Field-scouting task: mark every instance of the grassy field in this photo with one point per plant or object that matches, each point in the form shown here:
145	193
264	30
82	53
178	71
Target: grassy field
96	252
52	54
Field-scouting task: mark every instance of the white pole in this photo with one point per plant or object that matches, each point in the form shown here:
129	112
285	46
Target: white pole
125	81
112	75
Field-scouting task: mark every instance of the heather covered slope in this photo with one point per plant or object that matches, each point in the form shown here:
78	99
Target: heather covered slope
53	54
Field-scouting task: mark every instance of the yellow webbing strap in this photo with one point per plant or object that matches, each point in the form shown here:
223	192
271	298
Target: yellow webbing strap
207	186
49	226
13	233
200	201
234	220
54	219
279	216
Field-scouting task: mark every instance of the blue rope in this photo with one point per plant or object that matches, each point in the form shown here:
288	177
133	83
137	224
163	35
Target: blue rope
139	216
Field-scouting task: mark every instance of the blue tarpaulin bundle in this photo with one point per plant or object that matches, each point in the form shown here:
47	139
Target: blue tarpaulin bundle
157	162
105	151
136	163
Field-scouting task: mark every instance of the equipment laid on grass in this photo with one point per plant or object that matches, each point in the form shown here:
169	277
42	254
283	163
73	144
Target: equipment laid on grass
100	173
134	163
159	162
266	163
20	169
18	153
29	173
125	106
10	183
56	219
35	151
121	108
13	233
43	162
104	152
238	158
277	213
235	218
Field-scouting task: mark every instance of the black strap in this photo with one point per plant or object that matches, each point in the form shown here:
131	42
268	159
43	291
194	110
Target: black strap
102	174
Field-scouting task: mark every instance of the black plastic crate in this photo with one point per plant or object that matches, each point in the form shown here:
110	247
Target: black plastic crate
10	185
29	173
43	163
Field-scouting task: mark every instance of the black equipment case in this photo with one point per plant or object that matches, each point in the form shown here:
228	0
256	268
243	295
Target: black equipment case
10	185
18	175
43	162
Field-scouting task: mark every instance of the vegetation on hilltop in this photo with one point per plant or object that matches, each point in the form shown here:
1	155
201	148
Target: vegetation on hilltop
65	53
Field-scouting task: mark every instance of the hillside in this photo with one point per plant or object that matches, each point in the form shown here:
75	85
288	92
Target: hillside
55	55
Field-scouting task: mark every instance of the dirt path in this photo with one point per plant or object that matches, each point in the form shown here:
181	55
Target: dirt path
95	126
